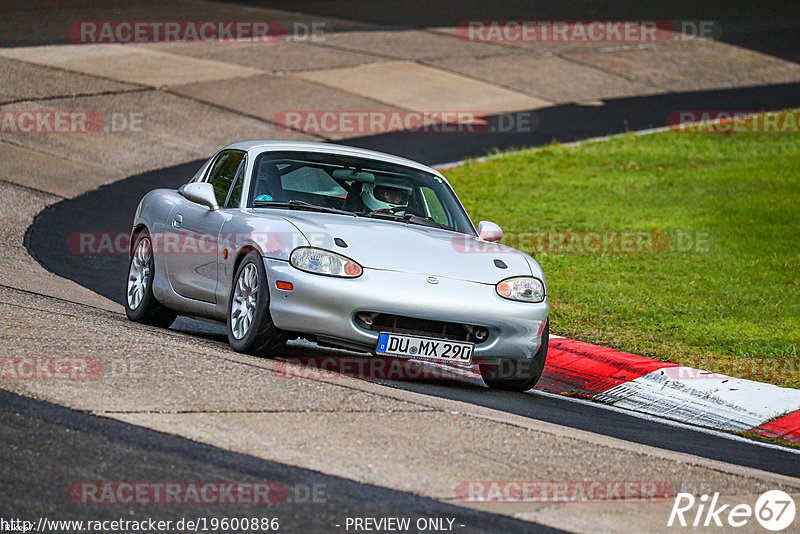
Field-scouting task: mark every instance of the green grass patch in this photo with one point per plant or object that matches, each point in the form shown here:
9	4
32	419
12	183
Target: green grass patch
716	285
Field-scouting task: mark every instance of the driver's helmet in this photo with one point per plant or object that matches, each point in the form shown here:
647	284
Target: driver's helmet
385	194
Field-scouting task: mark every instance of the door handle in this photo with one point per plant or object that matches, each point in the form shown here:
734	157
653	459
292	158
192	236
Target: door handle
177	221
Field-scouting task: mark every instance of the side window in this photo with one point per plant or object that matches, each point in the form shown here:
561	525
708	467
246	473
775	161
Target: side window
235	194
223	172
311	180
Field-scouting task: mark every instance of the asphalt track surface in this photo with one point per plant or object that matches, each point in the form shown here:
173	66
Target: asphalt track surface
744	23
771	27
111	208
47	447
55	446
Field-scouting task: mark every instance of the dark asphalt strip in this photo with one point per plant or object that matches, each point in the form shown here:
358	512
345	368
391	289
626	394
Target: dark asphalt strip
54	237
571	122
769	26
48	448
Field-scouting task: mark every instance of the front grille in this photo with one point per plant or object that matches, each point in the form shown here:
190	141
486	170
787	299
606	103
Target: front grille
399	324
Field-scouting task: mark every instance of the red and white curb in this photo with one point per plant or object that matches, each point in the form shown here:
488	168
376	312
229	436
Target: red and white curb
662	389
670	391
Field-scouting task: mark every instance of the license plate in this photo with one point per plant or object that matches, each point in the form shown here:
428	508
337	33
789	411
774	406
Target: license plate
425	348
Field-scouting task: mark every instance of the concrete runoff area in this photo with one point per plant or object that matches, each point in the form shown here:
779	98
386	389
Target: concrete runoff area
400	84
127	63
25	81
198	407
557	79
153	131
411	45
288	93
279	57
713	65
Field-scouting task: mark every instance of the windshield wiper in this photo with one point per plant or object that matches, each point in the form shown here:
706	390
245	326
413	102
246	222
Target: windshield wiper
303	205
299	205
408	218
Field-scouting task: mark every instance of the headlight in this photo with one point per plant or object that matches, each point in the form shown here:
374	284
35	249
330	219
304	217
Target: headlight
319	261
522	288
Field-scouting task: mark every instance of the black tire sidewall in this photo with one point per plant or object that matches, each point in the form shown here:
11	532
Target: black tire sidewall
518	375
250	340
141	312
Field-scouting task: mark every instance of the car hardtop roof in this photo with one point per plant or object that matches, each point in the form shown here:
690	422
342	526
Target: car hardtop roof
275	144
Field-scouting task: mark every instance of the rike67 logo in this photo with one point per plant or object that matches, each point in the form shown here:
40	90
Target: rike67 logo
774	510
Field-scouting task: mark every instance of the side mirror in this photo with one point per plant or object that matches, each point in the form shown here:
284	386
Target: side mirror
201	193
489	231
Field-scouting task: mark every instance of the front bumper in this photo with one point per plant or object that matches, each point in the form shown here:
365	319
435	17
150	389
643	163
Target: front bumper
326	306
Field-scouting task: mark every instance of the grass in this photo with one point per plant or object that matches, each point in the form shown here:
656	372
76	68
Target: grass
719	288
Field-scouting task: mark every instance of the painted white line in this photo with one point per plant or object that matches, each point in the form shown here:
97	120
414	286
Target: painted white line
702	398
668	422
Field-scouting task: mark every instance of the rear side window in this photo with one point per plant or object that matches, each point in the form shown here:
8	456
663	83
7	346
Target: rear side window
223	172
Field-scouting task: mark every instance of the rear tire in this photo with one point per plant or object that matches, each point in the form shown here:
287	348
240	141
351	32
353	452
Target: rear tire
517	375
250	326
140	304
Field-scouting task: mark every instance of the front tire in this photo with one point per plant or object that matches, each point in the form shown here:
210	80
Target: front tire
517	375
140	304
250	326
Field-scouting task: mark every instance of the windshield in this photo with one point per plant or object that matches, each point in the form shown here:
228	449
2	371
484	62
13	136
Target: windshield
348	185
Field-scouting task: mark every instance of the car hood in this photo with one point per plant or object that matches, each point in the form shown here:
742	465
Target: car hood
397	246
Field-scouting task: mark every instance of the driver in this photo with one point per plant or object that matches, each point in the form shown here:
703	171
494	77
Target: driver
385	195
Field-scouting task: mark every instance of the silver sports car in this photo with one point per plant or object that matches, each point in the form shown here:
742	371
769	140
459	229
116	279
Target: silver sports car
341	246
